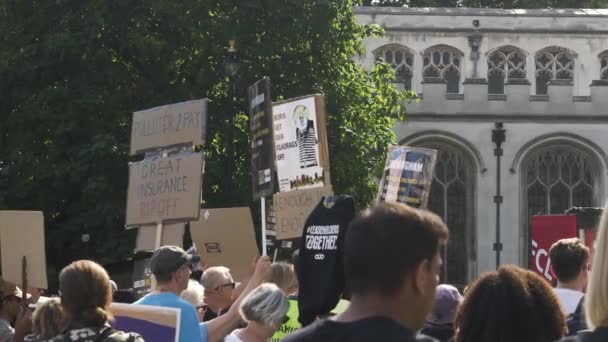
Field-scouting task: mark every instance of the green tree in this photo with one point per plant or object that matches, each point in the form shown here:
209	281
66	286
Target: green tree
73	71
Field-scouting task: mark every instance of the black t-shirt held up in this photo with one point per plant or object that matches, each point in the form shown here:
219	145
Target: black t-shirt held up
321	266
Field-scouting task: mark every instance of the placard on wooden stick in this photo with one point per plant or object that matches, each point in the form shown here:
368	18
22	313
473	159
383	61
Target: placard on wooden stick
226	237
22	235
293	208
164	189
172	234
171	125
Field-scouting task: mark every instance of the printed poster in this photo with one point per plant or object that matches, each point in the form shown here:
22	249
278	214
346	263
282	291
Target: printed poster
408	175
545	231
298	144
153	323
262	149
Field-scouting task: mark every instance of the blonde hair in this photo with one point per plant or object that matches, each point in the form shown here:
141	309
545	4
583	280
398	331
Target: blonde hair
194	294
48	319
266	304
282	275
596	299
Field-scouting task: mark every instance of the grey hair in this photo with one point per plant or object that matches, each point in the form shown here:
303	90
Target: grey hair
266	304
194	294
213	276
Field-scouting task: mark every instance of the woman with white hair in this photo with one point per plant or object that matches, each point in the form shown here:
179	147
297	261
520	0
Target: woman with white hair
264	310
596	298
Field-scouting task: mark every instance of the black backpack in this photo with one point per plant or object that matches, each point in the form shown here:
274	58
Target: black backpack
576	320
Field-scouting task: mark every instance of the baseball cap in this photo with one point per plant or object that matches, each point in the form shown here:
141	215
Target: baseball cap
446	302
168	259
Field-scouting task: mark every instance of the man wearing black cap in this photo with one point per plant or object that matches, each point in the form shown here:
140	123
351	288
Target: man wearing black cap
171	268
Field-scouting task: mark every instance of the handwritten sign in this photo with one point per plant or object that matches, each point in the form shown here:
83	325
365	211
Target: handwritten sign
262	150
300	143
170	125
22	235
408	175
293	208
164	189
172	235
226	237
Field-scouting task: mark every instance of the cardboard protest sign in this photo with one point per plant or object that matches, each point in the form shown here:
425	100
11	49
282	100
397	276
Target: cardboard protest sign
173	234
293	208
300	138
22	235
545	231
142	277
225	237
153	323
164	189
408	175
171	125
262	149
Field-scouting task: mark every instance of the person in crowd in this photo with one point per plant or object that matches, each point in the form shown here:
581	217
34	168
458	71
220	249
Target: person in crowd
511	304
219	290
392	257
570	263
48	320
85	296
10	309
195	295
596	298
264	310
170	266
283	275
216	329
440	322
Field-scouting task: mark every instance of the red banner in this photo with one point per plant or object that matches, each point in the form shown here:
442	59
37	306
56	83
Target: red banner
546	230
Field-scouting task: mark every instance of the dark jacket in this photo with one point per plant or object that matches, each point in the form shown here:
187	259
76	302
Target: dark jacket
442	332
576	320
598	335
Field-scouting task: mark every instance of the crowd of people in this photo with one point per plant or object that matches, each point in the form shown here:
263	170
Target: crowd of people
392	262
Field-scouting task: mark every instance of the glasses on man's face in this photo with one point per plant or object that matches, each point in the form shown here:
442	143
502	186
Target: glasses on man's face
202	307
231	285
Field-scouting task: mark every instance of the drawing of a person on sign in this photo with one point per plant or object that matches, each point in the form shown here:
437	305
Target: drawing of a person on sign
306	137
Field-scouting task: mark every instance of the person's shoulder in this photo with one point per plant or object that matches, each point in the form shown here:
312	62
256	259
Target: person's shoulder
308	333
121	336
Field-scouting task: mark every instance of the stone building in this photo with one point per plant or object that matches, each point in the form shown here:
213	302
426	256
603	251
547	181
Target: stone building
543	74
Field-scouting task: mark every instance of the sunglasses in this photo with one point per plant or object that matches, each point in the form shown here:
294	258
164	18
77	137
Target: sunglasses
231	285
202	307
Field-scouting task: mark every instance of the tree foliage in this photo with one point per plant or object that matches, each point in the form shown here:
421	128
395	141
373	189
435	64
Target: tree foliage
73	71
526	4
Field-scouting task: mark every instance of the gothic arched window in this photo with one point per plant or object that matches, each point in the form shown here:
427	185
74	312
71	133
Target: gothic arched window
553	63
443	61
402	59
558	177
452	198
505	63
604	65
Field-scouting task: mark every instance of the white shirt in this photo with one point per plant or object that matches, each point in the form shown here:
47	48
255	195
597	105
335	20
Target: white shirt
232	337
569	299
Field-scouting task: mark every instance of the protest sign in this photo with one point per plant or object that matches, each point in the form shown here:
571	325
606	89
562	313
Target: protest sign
142	276
164	189
22	235
545	231
408	175
293	208
153	323
262	149
171	125
225	237
300	139
172	235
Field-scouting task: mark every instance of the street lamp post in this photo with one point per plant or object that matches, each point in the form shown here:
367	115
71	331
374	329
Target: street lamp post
498	138
232	63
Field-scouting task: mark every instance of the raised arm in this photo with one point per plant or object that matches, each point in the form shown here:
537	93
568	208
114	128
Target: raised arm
223	325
